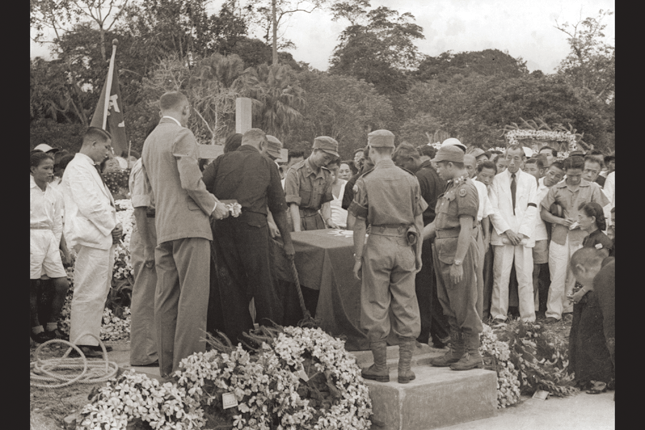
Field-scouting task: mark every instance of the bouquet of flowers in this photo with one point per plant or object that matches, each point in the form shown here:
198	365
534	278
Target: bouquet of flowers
497	357
541	357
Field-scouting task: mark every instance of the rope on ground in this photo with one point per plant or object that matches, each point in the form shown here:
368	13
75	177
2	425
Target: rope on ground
93	371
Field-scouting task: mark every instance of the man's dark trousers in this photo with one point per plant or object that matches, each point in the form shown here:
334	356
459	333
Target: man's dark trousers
243	250
433	322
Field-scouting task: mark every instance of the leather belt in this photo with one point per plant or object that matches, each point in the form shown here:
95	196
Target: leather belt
389	229
150	212
306	213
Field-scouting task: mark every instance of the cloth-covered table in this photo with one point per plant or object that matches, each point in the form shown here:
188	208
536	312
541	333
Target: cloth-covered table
324	261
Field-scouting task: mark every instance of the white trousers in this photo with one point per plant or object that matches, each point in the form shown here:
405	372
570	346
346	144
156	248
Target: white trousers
505	256
92	281
562	280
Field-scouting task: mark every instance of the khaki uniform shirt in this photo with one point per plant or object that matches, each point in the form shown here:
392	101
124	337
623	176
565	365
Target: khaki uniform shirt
387	195
306	188
570	201
460	198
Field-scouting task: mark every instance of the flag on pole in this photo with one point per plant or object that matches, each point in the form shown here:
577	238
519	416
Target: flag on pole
108	114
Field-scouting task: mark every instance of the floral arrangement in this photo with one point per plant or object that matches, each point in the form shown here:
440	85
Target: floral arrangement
113	327
514	136
497	357
541	358
296	378
117	183
541	131
134	397
235	209
122	265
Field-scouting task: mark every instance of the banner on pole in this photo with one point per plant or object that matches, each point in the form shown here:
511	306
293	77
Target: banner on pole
114	124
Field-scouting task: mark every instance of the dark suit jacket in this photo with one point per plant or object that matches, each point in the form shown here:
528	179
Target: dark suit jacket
183	205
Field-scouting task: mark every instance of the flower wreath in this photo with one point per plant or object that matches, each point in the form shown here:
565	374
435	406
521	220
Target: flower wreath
514	136
302	378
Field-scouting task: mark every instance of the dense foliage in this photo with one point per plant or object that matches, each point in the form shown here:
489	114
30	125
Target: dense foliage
377	76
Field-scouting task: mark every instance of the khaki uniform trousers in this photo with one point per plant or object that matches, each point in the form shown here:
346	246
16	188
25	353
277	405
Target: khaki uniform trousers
143	348
92	282
181	299
459	301
388	275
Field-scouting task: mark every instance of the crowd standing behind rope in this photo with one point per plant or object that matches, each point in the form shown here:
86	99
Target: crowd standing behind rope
466	218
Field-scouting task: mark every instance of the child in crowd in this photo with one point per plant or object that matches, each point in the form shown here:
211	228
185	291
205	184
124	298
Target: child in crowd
589	355
46	229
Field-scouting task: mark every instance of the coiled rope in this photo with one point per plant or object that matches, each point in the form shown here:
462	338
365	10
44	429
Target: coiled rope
42	370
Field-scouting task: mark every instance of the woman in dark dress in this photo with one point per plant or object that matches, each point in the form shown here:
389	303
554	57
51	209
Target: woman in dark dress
589	358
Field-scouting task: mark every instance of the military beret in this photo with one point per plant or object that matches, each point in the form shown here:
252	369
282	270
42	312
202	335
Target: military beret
381	139
449	153
327	144
274	146
451	141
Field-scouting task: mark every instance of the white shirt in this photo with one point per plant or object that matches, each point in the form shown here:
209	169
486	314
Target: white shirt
338	214
485	207
540	227
45	208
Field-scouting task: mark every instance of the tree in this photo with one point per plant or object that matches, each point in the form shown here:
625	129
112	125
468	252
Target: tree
211	86
420	129
487	63
381	51
341	107
58	14
591	64
279	94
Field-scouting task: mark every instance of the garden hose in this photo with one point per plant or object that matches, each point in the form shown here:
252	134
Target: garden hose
93	372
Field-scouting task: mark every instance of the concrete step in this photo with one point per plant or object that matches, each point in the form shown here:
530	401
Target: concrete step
437	397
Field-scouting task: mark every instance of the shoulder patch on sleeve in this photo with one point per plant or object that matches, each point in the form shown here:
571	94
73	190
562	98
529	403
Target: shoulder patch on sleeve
462	192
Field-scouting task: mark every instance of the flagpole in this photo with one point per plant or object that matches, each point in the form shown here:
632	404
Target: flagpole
108	85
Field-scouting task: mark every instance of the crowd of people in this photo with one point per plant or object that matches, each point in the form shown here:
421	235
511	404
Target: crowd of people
444	240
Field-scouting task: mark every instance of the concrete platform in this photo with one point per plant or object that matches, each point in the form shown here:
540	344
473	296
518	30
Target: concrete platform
438	397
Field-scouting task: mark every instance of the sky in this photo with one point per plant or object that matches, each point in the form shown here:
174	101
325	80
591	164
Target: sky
522	28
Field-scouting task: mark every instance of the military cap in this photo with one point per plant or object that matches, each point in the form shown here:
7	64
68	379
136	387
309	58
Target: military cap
477	152
381	139
449	153
451	141
327	144
274	146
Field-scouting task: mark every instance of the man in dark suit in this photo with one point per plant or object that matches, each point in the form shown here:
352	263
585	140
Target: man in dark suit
182	257
242	243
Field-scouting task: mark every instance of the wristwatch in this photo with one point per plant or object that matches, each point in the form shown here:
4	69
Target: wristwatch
457	262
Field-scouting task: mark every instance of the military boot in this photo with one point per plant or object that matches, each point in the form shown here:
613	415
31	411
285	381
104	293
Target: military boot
406	346
455	352
378	371
471	359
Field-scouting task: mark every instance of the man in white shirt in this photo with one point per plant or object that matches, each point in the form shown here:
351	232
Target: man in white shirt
486	172
554	174
91	229
513	196
483	227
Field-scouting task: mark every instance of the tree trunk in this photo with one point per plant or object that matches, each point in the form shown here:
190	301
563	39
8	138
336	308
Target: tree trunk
275	35
103	53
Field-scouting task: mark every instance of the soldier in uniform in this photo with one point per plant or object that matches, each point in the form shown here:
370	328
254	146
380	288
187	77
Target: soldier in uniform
388	199
308	187
456	259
